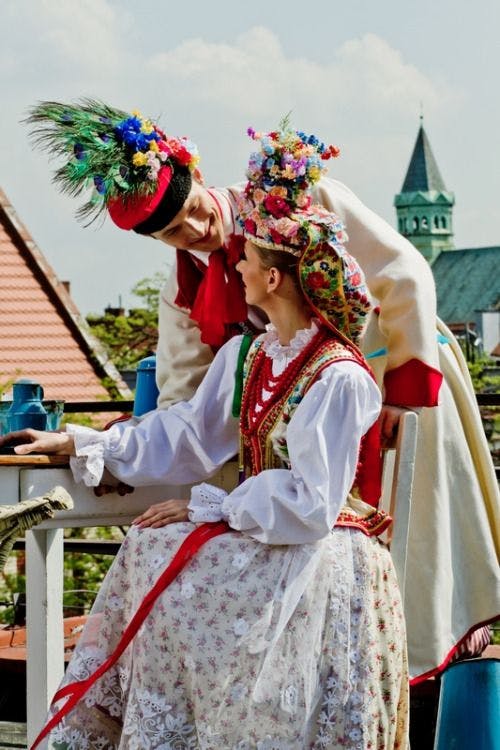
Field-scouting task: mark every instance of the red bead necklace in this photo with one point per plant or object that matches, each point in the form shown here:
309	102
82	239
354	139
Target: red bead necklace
253	407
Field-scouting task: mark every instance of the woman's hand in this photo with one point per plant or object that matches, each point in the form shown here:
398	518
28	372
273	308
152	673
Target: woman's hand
38	441
161	514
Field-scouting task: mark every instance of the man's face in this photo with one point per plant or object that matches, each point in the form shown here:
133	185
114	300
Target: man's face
197	226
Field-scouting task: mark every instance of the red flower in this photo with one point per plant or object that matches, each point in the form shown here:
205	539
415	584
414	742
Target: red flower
355	279
316	280
183	156
250	226
165	147
277	207
276	237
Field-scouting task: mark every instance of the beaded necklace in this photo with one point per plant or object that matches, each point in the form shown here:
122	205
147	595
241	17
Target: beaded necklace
254	407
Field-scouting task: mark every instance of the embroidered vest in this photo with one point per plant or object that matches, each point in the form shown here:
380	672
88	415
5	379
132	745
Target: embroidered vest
263	443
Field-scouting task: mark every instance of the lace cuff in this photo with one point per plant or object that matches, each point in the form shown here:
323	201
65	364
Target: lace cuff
206	503
87	465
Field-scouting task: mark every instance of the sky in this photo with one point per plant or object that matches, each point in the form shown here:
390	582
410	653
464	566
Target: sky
357	74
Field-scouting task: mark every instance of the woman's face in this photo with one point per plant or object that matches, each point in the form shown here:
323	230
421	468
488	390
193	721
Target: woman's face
255	277
197	226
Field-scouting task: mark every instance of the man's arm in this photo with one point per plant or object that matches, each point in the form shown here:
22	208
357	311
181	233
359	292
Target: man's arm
401	281
181	358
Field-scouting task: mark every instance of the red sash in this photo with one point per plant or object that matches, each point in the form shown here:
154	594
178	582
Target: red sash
214	293
74	691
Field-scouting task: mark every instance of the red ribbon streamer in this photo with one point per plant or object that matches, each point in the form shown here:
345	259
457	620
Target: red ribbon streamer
76	690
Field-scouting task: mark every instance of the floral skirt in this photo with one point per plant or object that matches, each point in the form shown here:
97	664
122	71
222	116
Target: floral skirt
252	646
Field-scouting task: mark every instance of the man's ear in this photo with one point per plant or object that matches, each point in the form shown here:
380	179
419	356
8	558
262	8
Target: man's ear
197	175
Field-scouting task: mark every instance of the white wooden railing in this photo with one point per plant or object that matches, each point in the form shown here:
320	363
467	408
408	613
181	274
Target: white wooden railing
44	549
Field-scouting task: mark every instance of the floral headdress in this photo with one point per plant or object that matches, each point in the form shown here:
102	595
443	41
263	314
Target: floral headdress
277	213
280	177
125	159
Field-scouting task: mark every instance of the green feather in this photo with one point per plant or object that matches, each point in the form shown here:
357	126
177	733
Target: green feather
87	129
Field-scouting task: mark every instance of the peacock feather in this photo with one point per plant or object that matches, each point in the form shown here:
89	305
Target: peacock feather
107	151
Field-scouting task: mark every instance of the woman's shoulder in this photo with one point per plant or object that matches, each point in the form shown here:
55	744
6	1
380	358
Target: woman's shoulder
349	374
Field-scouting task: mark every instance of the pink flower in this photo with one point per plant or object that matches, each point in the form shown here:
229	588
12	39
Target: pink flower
287	227
303	201
259	195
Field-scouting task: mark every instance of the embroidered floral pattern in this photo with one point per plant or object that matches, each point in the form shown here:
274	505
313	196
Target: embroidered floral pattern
235	666
333	284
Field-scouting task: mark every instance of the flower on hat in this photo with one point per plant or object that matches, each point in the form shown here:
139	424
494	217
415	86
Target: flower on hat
280	177
277	206
121	154
317	280
276	212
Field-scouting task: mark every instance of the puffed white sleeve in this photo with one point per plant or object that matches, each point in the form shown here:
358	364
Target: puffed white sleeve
281	506
180	445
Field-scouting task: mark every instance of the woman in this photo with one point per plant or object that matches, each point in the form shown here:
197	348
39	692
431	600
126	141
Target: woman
285	631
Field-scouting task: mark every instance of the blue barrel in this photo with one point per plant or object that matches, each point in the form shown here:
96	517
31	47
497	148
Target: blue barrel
146	390
469	706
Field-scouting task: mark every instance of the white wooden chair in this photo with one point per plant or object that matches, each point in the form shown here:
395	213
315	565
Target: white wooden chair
399	466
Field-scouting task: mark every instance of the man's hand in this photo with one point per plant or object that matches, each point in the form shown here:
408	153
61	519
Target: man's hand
110	484
161	514
38	441
389	421
108	489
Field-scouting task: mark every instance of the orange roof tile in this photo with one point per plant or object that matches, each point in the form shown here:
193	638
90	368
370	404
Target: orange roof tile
42	334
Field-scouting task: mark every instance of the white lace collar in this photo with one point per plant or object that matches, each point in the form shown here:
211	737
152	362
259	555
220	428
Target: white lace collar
277	351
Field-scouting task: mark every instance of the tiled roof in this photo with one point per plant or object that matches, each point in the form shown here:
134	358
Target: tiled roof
467	280
423	172
42	334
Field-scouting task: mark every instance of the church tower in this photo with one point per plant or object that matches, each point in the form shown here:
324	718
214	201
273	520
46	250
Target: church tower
424	206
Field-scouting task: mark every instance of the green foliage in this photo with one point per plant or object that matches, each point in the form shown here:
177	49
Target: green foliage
10	584
483	381
6	385
83	574
130	337
495	633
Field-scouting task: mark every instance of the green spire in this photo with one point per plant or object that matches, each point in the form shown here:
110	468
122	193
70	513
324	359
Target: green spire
424	206
423	172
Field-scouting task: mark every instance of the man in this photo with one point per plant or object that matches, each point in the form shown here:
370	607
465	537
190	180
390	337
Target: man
154	189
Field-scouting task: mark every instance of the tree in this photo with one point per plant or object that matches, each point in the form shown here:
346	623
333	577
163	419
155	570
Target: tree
129	337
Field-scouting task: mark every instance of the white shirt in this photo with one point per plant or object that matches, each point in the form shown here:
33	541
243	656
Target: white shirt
190	441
